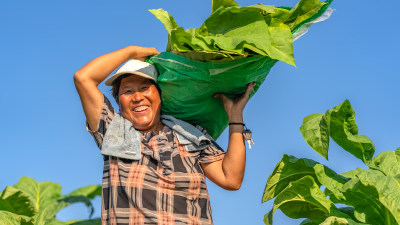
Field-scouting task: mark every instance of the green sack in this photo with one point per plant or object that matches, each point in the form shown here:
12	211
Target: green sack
188	84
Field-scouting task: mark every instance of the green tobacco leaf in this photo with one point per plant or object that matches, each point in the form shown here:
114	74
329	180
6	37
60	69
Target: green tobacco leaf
338	123
304	199
43	197
32	203
268	218
333	220
169	24
81	195
46	200
315	131
287	170
168	21
96	221
344	131
365	200
187	41
40	194
352	173
331	180
291	168
387	189
89	191
281	35
9	218
55	222
15	201
227	27
387	162
85	222
76	199
308	222
303	10
349	211
225	3
268	10
279	32
206	56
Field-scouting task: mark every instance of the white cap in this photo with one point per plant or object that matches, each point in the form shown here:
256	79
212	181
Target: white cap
135	67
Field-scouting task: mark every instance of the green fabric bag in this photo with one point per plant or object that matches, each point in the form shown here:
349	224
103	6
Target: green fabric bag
188	84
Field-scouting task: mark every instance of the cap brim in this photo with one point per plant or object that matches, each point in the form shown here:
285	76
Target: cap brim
110	81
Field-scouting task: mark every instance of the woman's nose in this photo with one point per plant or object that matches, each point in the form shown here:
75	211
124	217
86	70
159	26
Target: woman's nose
137	96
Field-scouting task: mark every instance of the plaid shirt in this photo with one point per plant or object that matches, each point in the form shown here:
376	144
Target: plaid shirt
166	186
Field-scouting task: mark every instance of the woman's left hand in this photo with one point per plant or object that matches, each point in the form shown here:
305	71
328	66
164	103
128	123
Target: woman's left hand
234	107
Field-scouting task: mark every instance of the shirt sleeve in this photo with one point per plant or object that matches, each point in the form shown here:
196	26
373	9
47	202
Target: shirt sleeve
213	152
107	114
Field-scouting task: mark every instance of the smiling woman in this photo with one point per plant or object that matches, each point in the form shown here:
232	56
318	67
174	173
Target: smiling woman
139	100
154	165
140	103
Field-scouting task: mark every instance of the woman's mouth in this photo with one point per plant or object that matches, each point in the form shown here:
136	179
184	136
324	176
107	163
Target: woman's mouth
140	108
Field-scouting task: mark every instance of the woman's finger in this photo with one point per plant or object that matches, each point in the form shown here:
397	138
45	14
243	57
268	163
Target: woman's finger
221	96
250	88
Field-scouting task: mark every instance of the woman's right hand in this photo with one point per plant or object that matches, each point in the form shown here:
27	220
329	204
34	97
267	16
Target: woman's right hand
141	53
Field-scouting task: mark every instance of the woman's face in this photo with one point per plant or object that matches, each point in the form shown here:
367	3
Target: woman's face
140	103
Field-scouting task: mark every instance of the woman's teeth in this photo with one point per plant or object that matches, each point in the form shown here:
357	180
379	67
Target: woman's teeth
140	108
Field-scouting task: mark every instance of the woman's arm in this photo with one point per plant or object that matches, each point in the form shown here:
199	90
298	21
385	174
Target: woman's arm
229	172
92	74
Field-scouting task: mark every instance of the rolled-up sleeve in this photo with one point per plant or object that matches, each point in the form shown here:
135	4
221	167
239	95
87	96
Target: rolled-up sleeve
213	152
107	114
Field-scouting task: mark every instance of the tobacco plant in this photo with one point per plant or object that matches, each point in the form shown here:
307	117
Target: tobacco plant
32	203
304	188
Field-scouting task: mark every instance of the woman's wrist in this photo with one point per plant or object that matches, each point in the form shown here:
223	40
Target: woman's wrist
141	53
236	124
236	119
132	51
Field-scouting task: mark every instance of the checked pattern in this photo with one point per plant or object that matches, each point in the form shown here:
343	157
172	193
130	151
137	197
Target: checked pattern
166	186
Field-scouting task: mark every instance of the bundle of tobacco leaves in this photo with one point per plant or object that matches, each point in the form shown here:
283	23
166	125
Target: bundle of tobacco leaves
232	31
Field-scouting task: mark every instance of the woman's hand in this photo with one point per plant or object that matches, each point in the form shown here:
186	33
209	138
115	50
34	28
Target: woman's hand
234	107
141	53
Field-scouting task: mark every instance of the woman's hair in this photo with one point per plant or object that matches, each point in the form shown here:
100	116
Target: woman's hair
117	83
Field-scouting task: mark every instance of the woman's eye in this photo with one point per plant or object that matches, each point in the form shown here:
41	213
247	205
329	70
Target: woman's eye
128	92
144	88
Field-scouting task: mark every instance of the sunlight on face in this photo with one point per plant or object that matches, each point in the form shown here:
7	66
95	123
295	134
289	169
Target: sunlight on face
140	103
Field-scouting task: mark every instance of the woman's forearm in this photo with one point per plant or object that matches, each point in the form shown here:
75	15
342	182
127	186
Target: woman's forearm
233	164
99	68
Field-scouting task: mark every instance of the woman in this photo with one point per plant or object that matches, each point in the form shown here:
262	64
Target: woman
164	183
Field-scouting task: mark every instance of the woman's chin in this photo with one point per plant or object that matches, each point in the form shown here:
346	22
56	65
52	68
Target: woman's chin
147	127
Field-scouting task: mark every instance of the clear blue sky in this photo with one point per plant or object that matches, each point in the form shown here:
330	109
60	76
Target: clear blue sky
353	55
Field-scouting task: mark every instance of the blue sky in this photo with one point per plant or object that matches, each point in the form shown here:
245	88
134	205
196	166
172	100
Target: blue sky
353	55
